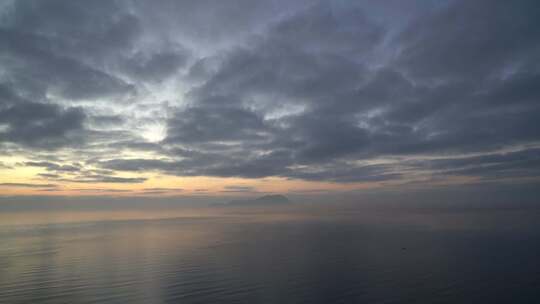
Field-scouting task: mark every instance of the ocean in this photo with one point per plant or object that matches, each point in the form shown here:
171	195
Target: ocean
291	254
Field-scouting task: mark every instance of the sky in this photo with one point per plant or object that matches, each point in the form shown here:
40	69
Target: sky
186	99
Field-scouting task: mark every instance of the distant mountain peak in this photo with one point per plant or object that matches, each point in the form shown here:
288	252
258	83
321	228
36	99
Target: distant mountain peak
273	199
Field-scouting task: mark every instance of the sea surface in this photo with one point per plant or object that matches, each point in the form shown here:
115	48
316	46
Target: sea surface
297	254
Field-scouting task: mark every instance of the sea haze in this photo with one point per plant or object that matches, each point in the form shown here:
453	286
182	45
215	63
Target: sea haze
299	253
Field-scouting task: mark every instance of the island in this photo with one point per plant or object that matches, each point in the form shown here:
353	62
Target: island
266	200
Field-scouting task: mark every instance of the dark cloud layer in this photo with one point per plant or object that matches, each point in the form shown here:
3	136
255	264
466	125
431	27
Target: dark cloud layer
342	92
350	110
40	125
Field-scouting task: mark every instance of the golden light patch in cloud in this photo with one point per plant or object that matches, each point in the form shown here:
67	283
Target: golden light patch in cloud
155	185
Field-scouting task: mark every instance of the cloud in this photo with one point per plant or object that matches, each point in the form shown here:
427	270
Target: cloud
136	164
41	125
156	66
298	103
54	167
524	163
38	69
49	175
228	124
89	179
471	40
102	190
27	185
348	92
208	24
106	120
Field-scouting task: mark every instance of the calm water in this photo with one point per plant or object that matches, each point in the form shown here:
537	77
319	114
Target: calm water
287	255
